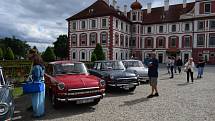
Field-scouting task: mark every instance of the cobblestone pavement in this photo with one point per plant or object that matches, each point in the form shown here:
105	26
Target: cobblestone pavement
178	101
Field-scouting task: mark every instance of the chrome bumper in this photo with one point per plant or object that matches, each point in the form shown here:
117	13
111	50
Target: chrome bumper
121	85
143	78
81	98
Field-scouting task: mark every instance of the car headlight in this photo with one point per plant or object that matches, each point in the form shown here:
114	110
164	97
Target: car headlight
3	109
102	82
61	86
111	77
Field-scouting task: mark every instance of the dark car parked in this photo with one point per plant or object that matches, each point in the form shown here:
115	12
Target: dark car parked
115	75
6	100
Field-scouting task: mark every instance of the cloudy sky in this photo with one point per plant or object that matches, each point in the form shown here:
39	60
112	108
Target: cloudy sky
41	21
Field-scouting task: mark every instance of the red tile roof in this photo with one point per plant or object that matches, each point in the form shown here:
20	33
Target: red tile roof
98	9
158	15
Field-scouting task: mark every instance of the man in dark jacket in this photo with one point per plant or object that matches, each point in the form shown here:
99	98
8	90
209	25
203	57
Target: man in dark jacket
179	64
153	75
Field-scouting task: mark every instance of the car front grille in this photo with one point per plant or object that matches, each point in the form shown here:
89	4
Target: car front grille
126	80
83	91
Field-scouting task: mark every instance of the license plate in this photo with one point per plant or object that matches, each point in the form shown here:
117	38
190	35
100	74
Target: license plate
84	101
128	86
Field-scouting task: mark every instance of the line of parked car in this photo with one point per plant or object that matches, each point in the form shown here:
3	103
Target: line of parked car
74	83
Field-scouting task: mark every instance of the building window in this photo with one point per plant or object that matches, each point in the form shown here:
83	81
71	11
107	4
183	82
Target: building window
173	28
122	40
116	39
93	38
134	17
141	29
160	29
74	25
83	38
74	55
133	41
116	56
104	38
200	40
173	41
117	24
121	55
126	41
187	41
212	24
74	40
200	55
149	29
212	40
187	27
126	28
104	23
161	42
83	56
201	25
149	43
207	8
122	26
93	23
134	29
83	24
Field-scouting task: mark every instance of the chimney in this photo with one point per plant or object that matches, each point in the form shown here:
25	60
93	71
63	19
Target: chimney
184	3
149	7
107	1
114	3
125	10
166	5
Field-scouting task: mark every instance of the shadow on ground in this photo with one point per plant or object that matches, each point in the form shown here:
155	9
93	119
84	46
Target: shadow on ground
134	102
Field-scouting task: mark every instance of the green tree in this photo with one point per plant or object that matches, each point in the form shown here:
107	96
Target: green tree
61	47
9	54
19	47
93	57
1	54
98	51
48	55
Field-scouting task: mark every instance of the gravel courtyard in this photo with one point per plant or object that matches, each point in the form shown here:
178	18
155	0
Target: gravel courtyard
178	101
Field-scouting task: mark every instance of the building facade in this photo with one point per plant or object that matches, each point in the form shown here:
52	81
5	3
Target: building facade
185	30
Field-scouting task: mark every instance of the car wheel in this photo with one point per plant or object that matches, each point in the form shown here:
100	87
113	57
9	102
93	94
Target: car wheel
132	89
54	101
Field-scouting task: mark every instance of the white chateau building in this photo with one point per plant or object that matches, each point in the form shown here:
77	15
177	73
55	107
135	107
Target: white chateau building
185	30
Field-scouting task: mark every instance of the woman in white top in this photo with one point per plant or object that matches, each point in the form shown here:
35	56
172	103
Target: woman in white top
189	68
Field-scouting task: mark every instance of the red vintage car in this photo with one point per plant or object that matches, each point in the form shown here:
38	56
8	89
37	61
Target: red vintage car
71	82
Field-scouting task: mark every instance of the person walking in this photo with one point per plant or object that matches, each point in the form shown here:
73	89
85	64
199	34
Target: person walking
200	66
153	75
179	64
37	72
168	65
172	63
189	68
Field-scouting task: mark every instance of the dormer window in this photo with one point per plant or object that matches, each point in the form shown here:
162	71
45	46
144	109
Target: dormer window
207	8
187	27
93	23
104	23
117	22
160	29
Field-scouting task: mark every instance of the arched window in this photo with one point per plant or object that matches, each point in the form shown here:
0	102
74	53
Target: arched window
83	39
122	40
117	39
173	42
93	39
74	40
149	42
161	42
104	38
83	55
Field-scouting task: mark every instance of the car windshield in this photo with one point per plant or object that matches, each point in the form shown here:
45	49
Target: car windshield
114	65
133	64
70	68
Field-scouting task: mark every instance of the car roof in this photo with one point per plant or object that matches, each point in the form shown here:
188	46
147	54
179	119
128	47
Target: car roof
130	60
107	61
62	62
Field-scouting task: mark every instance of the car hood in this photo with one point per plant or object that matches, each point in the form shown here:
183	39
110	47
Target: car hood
4	94
120	73
78	81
